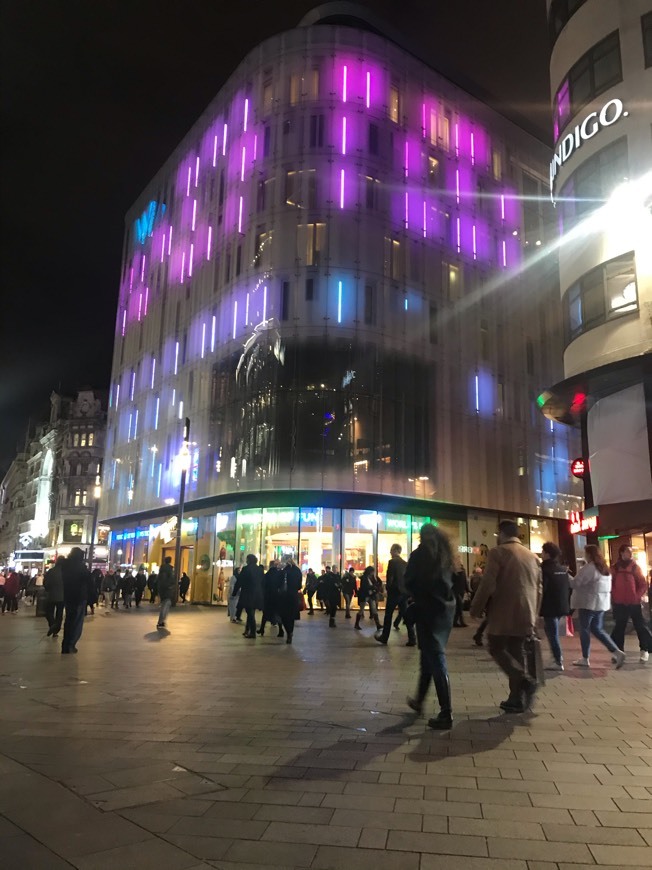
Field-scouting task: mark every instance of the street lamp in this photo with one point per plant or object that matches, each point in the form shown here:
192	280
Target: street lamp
97	494
184	462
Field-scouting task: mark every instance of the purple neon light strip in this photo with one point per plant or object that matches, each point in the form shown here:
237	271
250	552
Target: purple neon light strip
208	245
215	151
151	381
183	267
423	120
131	278
475	244
504	253
255	146
170	242
502	207
242	167
133	385
235	317
189	177
162	247
158	481
247	311
136	424
459	236
124	322
194	214
344	77
224	140
213	325
406	210
344	135
457	141
265	303
140	306
240	216
146	300
190	259
473	149
176	358
142	269
457	185
368	100
117	395
203	339
246	115
341	188
425	220
197	172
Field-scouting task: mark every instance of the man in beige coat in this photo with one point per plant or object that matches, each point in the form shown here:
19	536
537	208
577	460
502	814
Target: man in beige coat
512	580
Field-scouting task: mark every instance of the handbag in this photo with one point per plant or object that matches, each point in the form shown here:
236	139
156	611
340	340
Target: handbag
302	601
534	659
411	614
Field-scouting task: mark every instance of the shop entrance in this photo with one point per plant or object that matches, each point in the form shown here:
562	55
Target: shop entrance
187	558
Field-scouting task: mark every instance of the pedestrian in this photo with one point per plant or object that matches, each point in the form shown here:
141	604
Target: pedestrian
555	599
460	590
184	586
349	589
12	588
288	598
93	590
151	585
397	595
312	581
250	587
591	598
322	586
140	584
368	595
330	587
128	586
53	585
429	581
271	588
77	584
628	589
512	579
167	590
117	591
232	600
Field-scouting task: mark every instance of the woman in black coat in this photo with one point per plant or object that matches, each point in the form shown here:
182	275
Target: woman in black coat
250	586
555	601
428	579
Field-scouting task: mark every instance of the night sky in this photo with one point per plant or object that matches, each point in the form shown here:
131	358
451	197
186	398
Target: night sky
95	97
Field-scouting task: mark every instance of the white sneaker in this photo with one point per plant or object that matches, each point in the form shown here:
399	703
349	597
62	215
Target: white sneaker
645	656
582	663
619	657
554	666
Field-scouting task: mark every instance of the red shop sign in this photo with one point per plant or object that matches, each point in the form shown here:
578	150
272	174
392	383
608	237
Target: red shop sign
579	524
579	467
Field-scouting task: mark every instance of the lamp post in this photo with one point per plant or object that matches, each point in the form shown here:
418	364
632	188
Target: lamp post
184	461
97	494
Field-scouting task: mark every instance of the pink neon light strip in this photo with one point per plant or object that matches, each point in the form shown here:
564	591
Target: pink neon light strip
504	253
151	383
142	269
502	207
183	266
344	85
131	278
246	115
124	322
341	188
457	140
343	135
247	311
210	239
255	146
425	220
407	157
215	151
140	306
242	168
423	119
170	242
265	303
475	246
213	334
194	214
203	339
240	216
457	185
406	209
459	236
190	259
146	299
473	149
368	89
189	177
197	172
224	141
162	247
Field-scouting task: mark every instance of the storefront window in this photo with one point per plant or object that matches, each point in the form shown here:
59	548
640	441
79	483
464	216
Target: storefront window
360	531
319	545
280	534
392	529
482	536
249	534
542	530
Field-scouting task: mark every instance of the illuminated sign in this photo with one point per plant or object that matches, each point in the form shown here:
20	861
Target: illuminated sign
348	377
579	467
144	225
612	111
579	524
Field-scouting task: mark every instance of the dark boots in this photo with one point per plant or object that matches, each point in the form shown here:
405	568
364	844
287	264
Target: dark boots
357	622
444	721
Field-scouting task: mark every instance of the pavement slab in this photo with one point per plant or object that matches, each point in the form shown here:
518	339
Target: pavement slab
211	752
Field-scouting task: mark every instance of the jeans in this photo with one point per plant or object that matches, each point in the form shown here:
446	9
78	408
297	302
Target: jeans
551	625
347	602
622	614
373	608
54	615
166	604
394	602
507	652
73	625
591	624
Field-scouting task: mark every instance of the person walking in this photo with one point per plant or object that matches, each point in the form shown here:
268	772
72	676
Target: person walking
555	600
128	585
12	588
167	590
140	584
397	596
288	598
512	579
591	598
460	589
330	588
93	591
368	595
184	586
151	586
232	600
349	589
271	588
312	581
77	583
250	587
53	585
429	581
628	589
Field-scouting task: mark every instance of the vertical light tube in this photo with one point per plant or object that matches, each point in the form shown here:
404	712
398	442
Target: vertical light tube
190	259
246	115
124	322
473	149
163	248
131	278
209	243
170	242
194	214
265	303
197	172
457	186
235	317
136	424
341	188
153	466
406	210
117	395
423	120
176	357
242	167
477	394
151	380
459	236
215	151
255	146
213	334
140	306
132	386
344	83
247	311
504	254
475	244
174	397
158	482
183	266
180	409
457	140
142	269
344	135
203	339
407	158
146	300
188	184
502	206
129	431
368	100
339	301
405	304
425	220
240	216
224	134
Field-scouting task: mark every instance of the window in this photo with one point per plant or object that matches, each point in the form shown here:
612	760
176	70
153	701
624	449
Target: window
596	71
646	26
75	439
373	138
313	91
432	324
445	131
316	131
91	439
285	300
394	104
82	439
594	181
497	164
260	195
80	497
295	89
392	259
267	140
311	240
310	289
292	188
561	11
293	191
372	186
262	256
268	96
433	127
451	280
606	291
369	306
433	171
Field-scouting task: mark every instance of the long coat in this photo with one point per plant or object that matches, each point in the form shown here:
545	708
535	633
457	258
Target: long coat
250	584
432	592
512	579
288	599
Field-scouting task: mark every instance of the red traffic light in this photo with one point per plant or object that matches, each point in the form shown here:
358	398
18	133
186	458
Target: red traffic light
579	467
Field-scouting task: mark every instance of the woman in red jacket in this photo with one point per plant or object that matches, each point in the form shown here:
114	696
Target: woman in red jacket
627	590
12	588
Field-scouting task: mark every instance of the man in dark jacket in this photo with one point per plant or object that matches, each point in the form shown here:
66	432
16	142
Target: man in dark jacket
167	590
349	589
288	599
397	596
53	585
331	586
76	586
140	585
250	587
460	589
271	589
555	599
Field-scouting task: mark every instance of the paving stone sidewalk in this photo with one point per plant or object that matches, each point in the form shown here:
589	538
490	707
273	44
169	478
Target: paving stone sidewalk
197	749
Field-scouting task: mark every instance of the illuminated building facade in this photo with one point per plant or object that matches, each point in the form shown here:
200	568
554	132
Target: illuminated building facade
601	180
335	278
